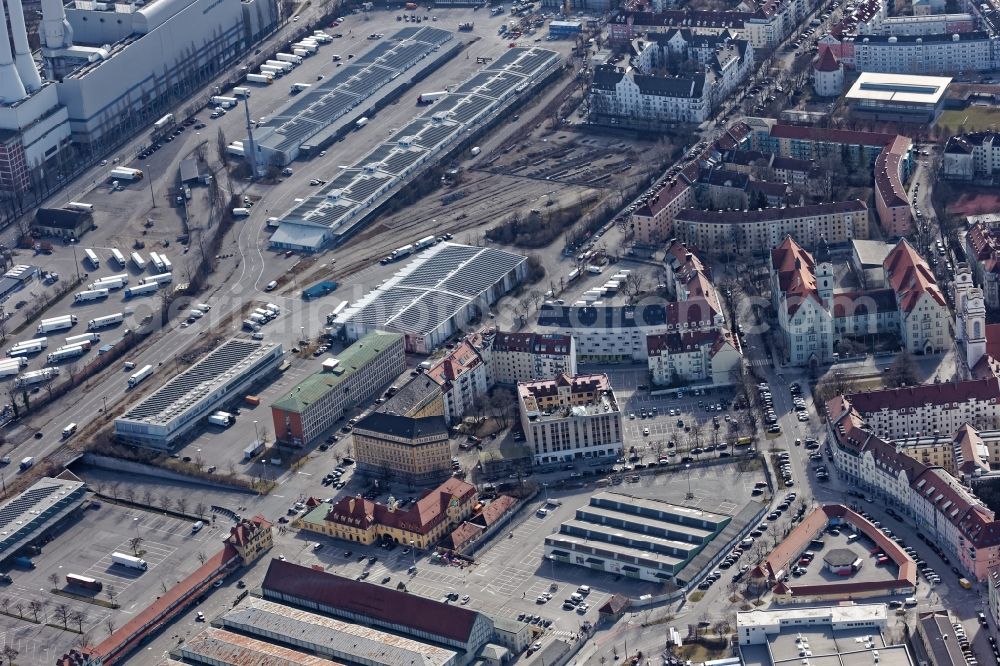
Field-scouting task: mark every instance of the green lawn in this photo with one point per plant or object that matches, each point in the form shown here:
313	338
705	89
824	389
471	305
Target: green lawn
975	118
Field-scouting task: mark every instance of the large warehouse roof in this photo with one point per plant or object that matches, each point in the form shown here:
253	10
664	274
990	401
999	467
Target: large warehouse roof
316	109
323	635
216	646
341	204
905	88
24	516
224	364
433	288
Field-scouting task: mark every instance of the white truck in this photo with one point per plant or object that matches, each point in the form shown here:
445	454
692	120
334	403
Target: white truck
276	72
11	367
105	321
401	252
92	258
236	149
118	257
289	57
302	53
139	262
139	375
431	97
57	323
287	66
80	206
306	46
223	419
161	278
224	102
299	87
164	122
35	377
28	347
426	241
89	338
361	122
129	561
67	352
241	92
90	295
143	289
125	173
261	79
322	37
113	282
154	259
168	267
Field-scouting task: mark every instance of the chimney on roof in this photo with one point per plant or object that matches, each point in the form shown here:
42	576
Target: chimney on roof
350	505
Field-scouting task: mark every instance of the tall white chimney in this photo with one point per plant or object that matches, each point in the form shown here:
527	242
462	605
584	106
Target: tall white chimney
22	52
11	88
56	32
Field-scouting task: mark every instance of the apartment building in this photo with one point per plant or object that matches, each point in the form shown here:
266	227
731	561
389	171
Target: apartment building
570	418
803	176
890	155
915	26
941	53
623	97
653	221
974	156
982	247
421	525
924	317
939	506
412	450
463	376
757	231
678	359
355	376
626	25
523	357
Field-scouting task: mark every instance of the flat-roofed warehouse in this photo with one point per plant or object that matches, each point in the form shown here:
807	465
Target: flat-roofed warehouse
900	97
310	119
26	516
170	412
331	638
224	648
433	296
342	206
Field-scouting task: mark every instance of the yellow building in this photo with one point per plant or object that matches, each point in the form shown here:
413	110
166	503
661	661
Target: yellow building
251	537
421	525
403	448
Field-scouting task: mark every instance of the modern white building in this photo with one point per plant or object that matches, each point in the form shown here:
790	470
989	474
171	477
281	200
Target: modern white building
693	358
900	97
756	627
571	418
926	54
164	417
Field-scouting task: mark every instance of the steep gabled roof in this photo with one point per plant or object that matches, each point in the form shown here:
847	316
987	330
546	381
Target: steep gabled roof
826	62
910	276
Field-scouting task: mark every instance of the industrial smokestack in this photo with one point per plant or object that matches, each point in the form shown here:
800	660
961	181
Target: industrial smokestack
56	32
22	52
11	88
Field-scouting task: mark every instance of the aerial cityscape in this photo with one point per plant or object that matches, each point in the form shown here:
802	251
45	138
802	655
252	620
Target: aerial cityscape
477	333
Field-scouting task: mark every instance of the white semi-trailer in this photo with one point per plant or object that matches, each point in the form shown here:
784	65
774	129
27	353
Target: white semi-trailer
57	323
105	321
129	561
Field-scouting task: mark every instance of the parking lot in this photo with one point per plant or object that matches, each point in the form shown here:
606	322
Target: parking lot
816	572
168	546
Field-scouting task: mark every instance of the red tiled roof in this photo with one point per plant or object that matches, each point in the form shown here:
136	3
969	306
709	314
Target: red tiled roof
386	606
888	172
831	135
795	269
496	509
464	533
428	512
456	363
770	214
993	340
826	62
942	394
669	191
910	276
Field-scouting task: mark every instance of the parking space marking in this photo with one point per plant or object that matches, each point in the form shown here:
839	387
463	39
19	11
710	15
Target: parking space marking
123	577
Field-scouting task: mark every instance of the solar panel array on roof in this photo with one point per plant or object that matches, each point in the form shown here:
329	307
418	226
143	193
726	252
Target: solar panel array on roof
395	159
433	288
317	108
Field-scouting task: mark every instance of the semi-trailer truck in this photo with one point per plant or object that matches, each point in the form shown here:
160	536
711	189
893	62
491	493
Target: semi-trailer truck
167	266
223	419
35	377
28	348
154	258
426	241
92	258
90	295
105	321
302	53
224	102
164	122
118	257
287	66
57	323
129	561
241	92
84	582
161	278
124	173
80	206
276	72
401	252
299	87
10	367
67	352
260	79
143	289
89	338
289	57
306	46
113	282
139	262
431	97
236	149
139	375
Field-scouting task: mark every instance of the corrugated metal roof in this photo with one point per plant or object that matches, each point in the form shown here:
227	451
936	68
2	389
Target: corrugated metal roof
326	635
217	646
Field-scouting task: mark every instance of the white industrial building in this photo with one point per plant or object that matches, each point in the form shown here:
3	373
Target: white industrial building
433	296
25	517
166	415
342	205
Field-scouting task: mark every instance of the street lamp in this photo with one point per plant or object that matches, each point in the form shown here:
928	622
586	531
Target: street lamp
151	196
256	437
413	552
688	468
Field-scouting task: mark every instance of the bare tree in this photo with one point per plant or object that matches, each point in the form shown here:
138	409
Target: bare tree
134	544
182	504
35	607
54	579
5	605
129	494
61	611
19	607
10	652
111	592
115	489
147	497
201	557
78	617
200	508
166	502
109	623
